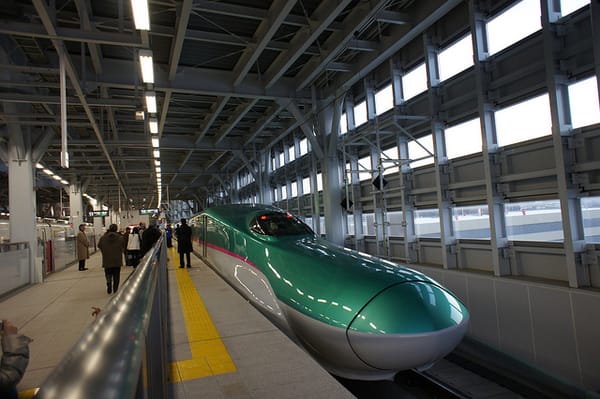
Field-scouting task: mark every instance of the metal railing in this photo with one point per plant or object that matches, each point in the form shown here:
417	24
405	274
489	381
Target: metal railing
122	354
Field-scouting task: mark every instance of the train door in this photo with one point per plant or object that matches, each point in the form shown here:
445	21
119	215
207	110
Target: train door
203	223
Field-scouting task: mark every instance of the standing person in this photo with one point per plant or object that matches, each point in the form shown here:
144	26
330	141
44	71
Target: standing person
112	244
169	231
83	245
15	358
134	244
184	242
150	236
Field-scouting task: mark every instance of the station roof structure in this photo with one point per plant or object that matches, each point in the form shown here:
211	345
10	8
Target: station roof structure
231	79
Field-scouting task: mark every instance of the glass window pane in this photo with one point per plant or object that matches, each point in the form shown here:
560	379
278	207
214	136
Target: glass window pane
463	139
364	168
343	124
524	121
386	156
291	154
384	99
281	159
368	221
360	113
350	223
417	153
294	189
583	102
569	6
591	218
471	222
306	185
396	224
534	221
456	58
427	223
319	182
414	82
512	25
303	146
283	192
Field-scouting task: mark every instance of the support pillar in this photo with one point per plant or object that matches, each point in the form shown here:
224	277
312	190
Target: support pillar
76	212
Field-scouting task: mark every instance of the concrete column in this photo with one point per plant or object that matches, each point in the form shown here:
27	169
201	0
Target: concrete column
76	213
22	203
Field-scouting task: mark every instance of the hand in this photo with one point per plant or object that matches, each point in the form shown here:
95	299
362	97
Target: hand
9	328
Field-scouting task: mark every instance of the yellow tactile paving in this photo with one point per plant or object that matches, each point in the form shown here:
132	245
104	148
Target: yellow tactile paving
209	355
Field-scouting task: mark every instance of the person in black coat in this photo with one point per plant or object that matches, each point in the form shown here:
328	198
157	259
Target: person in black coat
149	237
184	242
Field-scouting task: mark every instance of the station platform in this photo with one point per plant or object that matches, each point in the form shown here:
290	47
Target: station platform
220	346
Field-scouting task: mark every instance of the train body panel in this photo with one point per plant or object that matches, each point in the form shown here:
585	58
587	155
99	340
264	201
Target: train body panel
358	315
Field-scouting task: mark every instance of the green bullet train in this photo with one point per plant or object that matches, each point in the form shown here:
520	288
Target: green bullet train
359	316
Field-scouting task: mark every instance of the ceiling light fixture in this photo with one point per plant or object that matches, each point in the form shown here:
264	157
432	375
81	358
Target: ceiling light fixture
153	125
151	102
155	143
141	16
156	153
146	66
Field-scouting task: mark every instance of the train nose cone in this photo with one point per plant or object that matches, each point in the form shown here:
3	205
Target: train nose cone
409	325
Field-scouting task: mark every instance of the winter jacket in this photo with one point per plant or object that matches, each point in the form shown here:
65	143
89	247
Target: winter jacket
15	358
184	239
112	245
82	246
149	238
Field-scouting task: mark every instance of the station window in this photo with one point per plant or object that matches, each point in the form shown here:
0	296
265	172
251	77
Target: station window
343	124
275	195
463	139
273	163
455	58
281	159
360	113
319	182
294	186
364	168
515	23
291	152
368	222
306	185
283	192
414	82
471	221
534	221
583	102
591	218
396	224
420	151
384	99
569	6
524	121
303	146
350	224
386	157
427	223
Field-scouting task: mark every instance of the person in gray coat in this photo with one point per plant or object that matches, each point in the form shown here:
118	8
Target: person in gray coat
15	358
112	245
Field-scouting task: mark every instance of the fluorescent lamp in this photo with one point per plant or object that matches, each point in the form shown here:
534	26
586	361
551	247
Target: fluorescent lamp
57	177
39	166
147	66
153	125
151	102
48	172
156	153
157	162
141	16
63	181
155	143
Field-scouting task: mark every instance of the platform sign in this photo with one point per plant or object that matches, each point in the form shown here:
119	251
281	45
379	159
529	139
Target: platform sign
150	211
98	214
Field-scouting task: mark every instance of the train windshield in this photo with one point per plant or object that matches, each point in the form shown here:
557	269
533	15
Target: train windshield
278	224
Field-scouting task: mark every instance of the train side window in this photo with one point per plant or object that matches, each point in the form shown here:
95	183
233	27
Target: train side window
279	224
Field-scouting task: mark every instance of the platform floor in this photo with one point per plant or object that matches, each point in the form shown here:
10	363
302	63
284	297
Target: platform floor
220	346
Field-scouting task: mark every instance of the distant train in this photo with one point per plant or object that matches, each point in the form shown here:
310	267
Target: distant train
359	316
